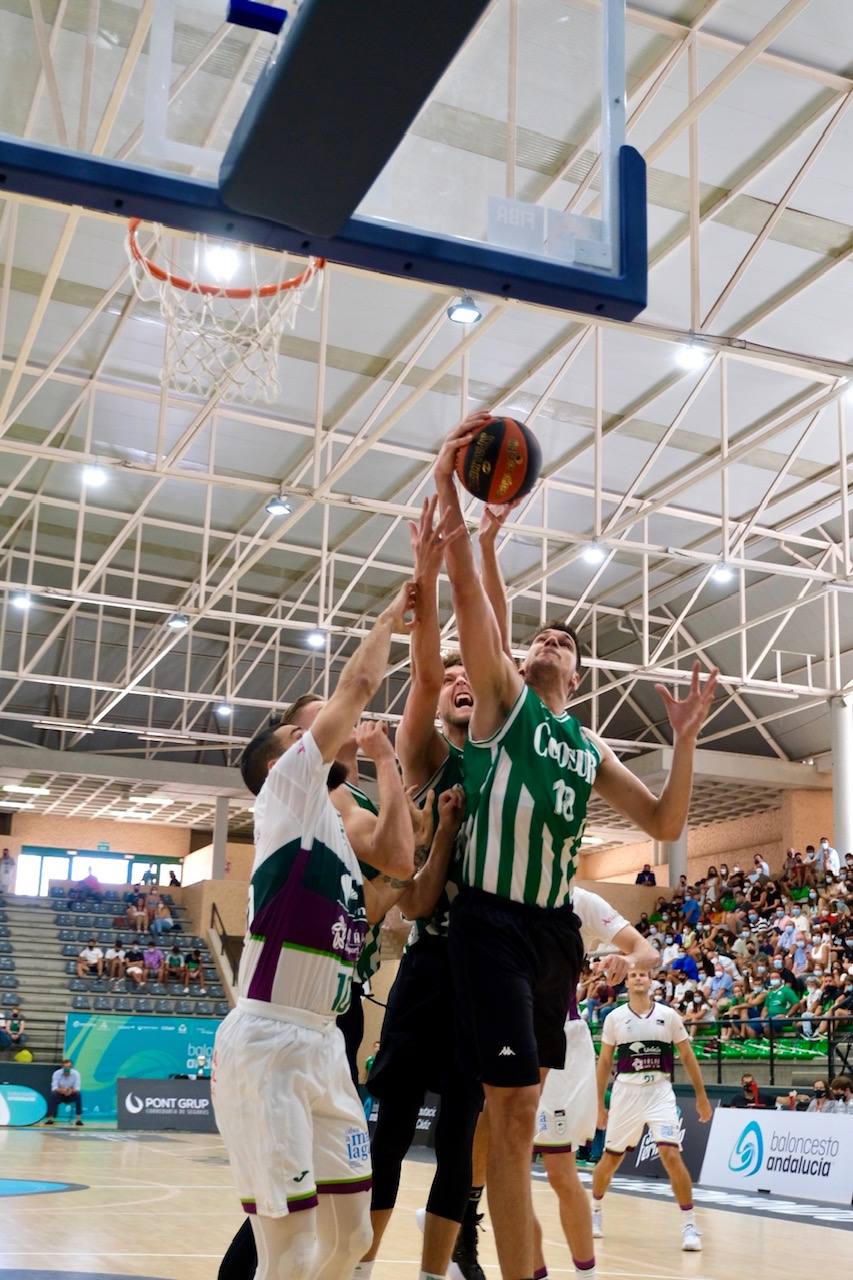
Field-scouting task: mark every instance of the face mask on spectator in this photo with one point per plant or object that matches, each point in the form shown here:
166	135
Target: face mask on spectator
777	964
820	1093
779	913
775	982
824	844
697	999
668	939
718	973
760	969
818	973
753	915
812	894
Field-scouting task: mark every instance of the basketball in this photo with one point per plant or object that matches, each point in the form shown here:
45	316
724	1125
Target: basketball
501	463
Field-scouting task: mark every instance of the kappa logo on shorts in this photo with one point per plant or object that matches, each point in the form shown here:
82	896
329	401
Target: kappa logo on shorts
560	1126
357	1142
506	1052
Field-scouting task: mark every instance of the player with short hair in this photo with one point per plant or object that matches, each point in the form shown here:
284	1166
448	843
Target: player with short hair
286	1107
530	769
568	1107
642	1034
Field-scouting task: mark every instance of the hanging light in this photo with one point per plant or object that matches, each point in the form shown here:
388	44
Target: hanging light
21	599
594	553
177	621
315	639
692	355
464	310
722	573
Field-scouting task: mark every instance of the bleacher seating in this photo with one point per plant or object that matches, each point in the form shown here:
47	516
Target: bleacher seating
77	922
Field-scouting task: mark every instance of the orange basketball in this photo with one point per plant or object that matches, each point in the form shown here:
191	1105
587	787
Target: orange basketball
502	462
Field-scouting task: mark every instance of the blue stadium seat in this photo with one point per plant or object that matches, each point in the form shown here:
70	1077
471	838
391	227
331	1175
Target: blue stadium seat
9	999
67	935
104	1003
9	982
81	1003
7	964
204	1008
123	1004
185	1006
144	1005
5	948
222	1008
112	895
165	1006
56	892
168	899
69	950
5	931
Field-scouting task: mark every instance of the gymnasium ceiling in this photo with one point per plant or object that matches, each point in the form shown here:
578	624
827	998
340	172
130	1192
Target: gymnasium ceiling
748	135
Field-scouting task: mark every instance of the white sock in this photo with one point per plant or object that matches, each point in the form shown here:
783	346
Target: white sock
688	1217
430	1275
589	1274
363	1271
596	1203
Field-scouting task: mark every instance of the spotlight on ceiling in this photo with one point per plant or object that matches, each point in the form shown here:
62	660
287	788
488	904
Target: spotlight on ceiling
722	573
221	261
223	710
464	310
177	621
692	356
278	506
94	477
316	639
21	599
594	553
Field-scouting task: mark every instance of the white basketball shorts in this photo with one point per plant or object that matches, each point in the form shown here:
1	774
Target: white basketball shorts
633	1106
289	1115
568	1106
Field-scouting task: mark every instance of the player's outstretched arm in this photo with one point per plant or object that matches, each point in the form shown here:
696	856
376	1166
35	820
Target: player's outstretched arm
385	841
491	523
421	898
635	953
362	676
494	680
694	1075
420	747
662	817
603	1070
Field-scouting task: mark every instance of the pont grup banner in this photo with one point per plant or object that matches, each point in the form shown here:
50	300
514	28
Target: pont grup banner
105	1047
787	1153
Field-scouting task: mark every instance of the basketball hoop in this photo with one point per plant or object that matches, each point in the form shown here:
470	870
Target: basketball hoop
218	333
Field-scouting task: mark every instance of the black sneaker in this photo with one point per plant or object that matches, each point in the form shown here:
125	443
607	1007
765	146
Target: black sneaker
79	1123
465	1253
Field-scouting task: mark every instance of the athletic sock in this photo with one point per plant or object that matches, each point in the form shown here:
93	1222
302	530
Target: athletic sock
688	1217
430	1275
585	1269
541	1274
363	1271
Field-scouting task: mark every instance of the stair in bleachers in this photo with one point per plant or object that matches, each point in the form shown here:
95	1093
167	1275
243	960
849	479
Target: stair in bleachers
40	939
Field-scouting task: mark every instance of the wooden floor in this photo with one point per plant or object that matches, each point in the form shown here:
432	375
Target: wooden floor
164	1207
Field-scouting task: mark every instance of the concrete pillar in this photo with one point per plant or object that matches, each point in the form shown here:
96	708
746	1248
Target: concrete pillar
674	852
220	838
841	724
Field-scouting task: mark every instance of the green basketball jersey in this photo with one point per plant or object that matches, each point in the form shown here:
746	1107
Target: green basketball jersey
527	788
450	773
369	960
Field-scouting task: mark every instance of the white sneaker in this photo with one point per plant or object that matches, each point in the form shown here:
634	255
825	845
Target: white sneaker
420	1219
691	1239
597	1229
186	991
203	991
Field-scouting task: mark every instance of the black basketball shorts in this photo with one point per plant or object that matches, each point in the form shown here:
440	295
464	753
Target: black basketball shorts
514	969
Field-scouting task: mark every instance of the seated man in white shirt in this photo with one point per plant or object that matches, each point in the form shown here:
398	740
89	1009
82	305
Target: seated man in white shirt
65	1087
90	961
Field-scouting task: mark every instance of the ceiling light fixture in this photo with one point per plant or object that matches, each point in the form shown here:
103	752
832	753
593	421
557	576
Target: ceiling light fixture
177	621
94	477
316	639
722	573
21	599
278	506
221	261
594	553
25	791
16	804
692	356
464	310
224	710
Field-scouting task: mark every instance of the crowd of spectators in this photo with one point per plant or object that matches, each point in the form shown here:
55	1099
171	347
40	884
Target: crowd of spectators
143	959
744	953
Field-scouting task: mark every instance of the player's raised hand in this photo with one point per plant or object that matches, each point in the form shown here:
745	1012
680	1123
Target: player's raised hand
615	968
372	739
462	434
423	823
494	518
687	715
429	541
403	608
451	809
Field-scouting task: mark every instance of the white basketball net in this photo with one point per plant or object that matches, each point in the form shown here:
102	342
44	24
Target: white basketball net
213	337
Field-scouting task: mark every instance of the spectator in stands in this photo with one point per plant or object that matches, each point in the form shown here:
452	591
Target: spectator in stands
750	1096
155	963
90	961
137	913
821	1100
114	958
842	1093
812	1006
646	876
194	972
152	902
643	924
831	858
697	1013
7	872
809	874
88	888
174	882
686	963
780	1001
134	965
16	1029
841	1010
150	876
65	1087
162	921
176	969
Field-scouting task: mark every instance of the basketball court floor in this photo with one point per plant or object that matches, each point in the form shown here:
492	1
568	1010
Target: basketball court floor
162	1208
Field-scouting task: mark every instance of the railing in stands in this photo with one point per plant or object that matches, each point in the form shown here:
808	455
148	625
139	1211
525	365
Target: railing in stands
780	1041
227	949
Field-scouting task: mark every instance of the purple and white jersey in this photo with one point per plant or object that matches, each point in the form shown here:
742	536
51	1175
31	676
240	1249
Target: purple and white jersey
306	901
600	923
